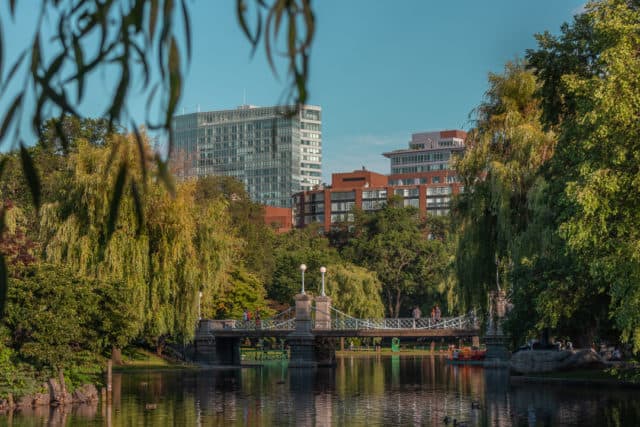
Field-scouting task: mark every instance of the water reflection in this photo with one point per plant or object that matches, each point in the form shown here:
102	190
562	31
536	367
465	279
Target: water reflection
371	391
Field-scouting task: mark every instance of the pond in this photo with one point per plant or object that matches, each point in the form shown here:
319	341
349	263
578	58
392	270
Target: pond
359	391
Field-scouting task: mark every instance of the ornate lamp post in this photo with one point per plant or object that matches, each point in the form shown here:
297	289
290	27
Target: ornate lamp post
303	268
322	271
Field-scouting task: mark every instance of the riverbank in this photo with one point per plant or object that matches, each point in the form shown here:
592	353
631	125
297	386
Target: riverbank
583	377
139	359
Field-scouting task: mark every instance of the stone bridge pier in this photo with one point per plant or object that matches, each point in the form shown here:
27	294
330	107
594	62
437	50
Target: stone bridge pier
307	350
211	350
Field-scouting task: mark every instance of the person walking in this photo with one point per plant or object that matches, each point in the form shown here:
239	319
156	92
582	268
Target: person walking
416	313
438	313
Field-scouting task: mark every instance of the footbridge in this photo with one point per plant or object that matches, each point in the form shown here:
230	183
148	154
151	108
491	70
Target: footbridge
311	331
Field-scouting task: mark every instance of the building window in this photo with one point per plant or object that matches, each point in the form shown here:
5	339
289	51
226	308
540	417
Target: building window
374	194
342	217
342	206
343	195
407	192
412	202
373	205
432	191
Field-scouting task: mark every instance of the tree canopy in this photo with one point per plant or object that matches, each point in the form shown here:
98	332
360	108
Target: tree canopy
395	243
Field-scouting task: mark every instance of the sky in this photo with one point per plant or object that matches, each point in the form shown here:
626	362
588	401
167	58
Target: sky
381	70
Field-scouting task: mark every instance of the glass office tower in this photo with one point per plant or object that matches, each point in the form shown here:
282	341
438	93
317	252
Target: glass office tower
274	151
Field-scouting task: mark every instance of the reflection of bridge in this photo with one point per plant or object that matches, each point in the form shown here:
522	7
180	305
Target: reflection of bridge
311	331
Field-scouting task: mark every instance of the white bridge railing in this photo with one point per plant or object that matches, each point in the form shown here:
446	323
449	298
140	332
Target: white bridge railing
281	322
341	321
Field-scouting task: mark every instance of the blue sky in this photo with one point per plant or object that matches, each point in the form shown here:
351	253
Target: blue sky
381	70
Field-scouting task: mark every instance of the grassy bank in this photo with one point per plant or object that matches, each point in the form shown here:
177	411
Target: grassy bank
142	359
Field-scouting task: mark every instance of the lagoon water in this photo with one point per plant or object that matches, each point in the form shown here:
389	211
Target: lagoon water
359	391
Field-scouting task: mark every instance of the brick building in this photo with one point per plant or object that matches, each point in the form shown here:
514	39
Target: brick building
420	175
279	219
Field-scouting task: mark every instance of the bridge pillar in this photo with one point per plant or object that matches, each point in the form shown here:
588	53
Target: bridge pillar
323	312
495	339
212	350
301	341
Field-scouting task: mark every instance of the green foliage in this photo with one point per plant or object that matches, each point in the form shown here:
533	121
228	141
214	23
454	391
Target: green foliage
354	290
394	242
16	378
600	141
48	317
247	221
304	246
242	291
552	180
500	167
163	256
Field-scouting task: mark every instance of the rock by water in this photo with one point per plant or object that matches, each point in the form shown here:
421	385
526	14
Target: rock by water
541	361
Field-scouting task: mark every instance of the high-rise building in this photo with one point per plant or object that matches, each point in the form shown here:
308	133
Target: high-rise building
274	151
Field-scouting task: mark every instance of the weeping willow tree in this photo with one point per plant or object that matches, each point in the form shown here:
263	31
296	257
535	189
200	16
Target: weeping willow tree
355	290
504	155
165	249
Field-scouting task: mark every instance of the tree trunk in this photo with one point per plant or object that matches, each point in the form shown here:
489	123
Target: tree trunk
398	302
390	304
116	356
160	346
63	386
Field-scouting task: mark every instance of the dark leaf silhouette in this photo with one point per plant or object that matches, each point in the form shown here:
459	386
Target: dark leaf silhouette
31	175
9	116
